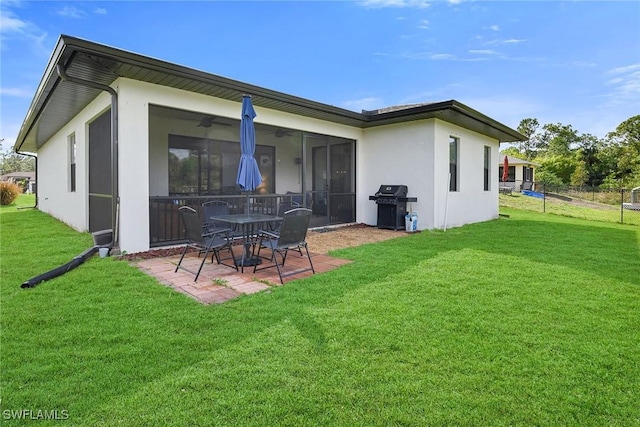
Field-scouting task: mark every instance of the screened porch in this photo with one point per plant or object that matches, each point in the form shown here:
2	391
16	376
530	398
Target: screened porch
193	158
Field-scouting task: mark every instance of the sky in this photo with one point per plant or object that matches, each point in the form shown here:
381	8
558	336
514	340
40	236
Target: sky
570	62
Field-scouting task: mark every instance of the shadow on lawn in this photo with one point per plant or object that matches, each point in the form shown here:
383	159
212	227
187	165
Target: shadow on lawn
599	249
122	330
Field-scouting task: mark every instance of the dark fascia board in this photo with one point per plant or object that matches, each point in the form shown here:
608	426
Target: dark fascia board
443	110
67	47
45	90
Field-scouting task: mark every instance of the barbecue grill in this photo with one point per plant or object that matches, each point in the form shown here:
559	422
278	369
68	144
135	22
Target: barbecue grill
392	206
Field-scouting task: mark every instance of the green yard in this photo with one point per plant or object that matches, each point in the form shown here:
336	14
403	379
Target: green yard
575	208
528	320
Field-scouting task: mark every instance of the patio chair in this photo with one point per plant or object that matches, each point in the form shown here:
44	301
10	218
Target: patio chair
204	239
290	235
215	208
527	185
285	205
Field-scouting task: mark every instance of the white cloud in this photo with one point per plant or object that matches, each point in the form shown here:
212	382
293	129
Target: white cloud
626	83
507	109
9	23
504	41
437	94
378	4
100	11
483	52
15	92
625	69
493	28
12	27
582	64
72	12
424	24
442	56
367	103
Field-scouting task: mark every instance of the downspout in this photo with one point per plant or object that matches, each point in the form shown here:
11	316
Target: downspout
115	204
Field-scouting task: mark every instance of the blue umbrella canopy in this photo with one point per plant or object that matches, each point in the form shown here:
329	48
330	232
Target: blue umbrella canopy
248	172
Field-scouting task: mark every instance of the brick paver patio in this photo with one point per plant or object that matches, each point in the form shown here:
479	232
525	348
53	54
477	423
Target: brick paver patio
219	283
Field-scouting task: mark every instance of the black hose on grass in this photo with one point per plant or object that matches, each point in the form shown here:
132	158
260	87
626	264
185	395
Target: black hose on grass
75	262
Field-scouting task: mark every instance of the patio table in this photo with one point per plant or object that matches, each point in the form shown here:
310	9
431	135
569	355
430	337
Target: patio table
249	222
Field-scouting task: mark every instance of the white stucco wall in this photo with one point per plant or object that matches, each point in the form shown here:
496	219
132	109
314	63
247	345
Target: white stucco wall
399	154
470	203
413	153
133	165
416	154
54	196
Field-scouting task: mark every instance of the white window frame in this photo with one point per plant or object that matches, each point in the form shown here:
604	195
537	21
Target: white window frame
72	169
454	178
486	170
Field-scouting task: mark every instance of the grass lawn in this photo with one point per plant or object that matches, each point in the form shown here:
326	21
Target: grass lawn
591	210
530	320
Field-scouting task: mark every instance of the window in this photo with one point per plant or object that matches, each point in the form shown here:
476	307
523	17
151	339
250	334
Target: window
512	174
202	166
72	162
527	174
454	144
487	163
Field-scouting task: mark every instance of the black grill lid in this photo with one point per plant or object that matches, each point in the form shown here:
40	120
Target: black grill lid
392	191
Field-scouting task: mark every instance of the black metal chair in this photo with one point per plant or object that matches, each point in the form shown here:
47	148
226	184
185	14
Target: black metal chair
291	235
204	239
285	205
216	208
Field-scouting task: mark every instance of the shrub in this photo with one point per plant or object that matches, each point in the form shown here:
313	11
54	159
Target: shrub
548	178
9	191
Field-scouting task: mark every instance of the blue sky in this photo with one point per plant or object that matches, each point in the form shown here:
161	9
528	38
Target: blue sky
573	62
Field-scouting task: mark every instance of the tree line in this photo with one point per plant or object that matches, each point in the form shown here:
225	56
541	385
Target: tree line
569	157
13	162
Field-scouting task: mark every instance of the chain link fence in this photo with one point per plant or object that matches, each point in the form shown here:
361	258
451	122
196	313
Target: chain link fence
619	205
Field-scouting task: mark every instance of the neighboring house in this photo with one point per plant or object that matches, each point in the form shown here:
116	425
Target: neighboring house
173	134
520	172
28	178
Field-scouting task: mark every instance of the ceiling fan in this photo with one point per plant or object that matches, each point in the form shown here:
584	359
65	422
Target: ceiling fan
279	133
208	121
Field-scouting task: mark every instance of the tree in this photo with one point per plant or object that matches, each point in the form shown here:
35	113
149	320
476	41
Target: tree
628	132
580	175
557	139
528	127
14	162
511	151
624	147
588	148
548	178
560	166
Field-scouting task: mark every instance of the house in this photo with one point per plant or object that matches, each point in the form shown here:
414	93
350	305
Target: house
123	139
28	179
521	173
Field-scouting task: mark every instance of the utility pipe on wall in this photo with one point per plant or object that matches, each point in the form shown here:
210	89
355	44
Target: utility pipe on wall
115	203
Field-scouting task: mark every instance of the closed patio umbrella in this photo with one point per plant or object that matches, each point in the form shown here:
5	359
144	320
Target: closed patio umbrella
249	177
505	169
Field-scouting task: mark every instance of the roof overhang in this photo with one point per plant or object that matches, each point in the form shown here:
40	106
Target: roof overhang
56	101
516	161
